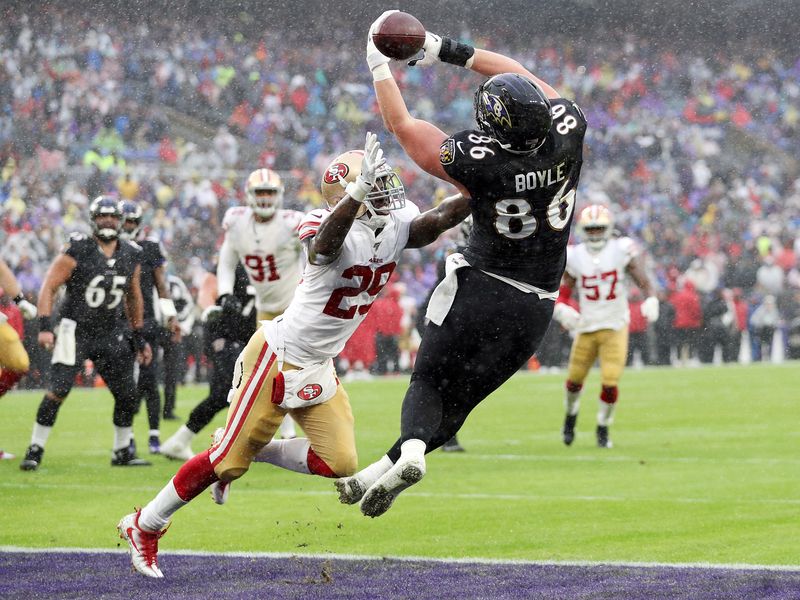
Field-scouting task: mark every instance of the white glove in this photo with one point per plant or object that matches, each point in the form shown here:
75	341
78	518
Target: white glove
27	309
432	46
567	316
167	306
373	159
374	58
649	309
211	313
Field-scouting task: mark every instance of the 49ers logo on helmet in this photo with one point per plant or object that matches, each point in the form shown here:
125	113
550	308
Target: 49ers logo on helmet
336	172
310	391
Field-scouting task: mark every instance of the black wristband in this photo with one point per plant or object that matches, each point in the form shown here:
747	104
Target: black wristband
18	298
138	340
45	323
454	52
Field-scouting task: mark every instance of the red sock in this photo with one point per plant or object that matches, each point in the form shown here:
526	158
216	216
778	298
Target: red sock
8	379
194	476
318	466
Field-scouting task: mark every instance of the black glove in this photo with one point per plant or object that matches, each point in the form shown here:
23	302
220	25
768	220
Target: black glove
229	304
138	339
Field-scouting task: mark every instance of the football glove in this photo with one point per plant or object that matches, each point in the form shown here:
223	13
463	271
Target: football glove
566	316
211	314
374	57
650	309
446	50
27	309
373	159
230	304
430	49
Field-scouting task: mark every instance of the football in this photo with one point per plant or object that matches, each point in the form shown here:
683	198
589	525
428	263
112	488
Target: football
399	36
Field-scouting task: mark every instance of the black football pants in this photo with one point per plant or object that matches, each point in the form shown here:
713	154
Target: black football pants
113	356
491	331
222	365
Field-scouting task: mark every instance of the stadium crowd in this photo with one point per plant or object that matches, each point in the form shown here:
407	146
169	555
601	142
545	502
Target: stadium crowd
691	149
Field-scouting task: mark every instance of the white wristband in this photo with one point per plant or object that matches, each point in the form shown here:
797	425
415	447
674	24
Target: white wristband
167	307
358	189
381	72
470	60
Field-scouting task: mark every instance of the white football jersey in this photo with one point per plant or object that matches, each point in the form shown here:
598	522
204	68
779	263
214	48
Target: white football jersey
333	299
270	252
601	283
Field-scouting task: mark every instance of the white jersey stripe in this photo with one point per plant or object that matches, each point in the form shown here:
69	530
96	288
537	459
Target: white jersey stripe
246	402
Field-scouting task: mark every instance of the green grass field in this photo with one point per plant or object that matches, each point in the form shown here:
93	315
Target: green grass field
704	469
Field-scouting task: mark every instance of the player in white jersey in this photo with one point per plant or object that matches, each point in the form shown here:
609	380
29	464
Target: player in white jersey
287	366
598	268
263	237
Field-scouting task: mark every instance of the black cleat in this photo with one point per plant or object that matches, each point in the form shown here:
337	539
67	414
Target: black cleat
33	457
568	432
125	458
452	445
170	416
602	437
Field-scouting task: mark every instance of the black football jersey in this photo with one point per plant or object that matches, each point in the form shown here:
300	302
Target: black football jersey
237	328
95	292
152	257
522	204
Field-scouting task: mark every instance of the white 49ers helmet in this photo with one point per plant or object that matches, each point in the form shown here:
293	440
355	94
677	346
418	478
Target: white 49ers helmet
388	193
595	226
264	191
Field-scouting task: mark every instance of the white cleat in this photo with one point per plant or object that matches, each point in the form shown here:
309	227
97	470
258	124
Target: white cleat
220	490
381	495
175	450
351	489
143	545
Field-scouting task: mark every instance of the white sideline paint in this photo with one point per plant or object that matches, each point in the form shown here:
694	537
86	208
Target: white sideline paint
447	495
368	557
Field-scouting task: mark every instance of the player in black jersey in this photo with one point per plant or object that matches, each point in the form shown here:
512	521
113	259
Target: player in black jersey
101	276
160	323
226	331
519	170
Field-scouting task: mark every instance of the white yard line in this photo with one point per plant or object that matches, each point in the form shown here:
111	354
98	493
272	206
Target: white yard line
366	557
446	495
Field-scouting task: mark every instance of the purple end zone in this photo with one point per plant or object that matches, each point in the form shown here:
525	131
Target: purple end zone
27	575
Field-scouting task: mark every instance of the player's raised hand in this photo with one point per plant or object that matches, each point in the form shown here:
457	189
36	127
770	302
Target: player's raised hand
374	56
430	51
372	161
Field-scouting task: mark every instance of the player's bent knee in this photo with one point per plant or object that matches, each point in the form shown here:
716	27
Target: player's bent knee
342	464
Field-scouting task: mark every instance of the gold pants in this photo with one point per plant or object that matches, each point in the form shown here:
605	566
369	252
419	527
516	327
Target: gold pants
610	345
253	418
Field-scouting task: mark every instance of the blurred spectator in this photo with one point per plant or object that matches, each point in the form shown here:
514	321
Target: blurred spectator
688	321
764	323
388	315
718	322
769	277
637	330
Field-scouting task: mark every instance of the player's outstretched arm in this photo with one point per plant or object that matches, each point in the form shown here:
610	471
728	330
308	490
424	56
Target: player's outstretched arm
327	243
428	226
11	287
420	139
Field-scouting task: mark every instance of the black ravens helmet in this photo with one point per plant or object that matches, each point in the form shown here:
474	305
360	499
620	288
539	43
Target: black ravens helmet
105	206
131	213
513	110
